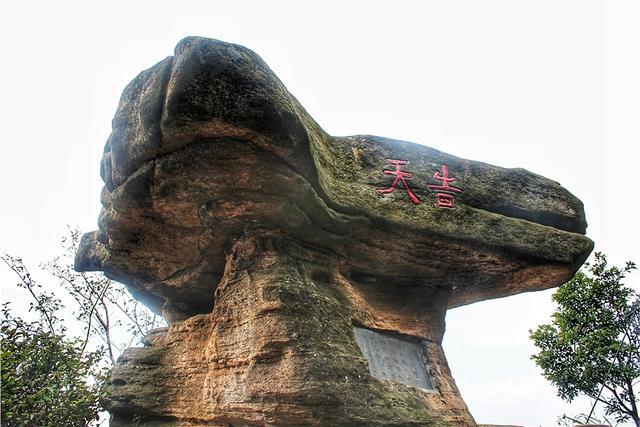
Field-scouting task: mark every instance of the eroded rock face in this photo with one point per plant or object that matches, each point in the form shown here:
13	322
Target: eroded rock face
278	349
263	241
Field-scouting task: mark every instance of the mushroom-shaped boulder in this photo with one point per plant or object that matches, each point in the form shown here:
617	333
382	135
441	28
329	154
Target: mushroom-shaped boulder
306	277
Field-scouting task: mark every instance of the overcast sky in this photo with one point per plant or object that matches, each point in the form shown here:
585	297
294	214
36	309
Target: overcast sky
551	86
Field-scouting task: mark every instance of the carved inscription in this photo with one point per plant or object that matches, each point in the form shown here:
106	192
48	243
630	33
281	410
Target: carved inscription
445	191
400	177
393	358
445	194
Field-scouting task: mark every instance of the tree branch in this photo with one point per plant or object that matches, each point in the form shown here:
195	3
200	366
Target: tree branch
618	398
90	319
26	281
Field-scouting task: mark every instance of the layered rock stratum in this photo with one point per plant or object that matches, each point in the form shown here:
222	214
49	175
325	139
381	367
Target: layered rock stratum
267	244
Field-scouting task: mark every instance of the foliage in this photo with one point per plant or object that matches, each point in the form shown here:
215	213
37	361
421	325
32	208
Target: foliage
50	378
46	379
593	343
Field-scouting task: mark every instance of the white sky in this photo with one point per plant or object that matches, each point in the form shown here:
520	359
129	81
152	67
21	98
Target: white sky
551	86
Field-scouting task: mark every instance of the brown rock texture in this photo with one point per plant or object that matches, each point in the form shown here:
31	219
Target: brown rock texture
263	241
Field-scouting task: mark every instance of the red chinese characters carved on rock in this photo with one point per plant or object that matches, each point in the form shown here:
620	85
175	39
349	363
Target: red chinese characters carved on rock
445	191
400	176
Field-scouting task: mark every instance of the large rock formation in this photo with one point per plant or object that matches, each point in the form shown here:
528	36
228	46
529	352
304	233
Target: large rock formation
305	277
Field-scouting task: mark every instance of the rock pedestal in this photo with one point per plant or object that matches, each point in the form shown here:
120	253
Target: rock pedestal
305	277
279	349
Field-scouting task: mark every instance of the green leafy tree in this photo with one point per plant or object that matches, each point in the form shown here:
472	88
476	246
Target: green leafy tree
50	378
592	346
47	380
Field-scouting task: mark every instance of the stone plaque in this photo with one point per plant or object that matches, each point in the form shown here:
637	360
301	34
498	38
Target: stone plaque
394	358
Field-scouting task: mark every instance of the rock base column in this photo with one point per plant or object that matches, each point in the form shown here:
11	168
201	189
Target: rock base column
279	349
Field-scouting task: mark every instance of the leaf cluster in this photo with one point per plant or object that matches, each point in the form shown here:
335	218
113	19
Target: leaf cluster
46	379
591	343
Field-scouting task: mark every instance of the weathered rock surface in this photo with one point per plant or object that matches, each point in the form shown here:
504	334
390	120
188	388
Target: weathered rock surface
263	240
